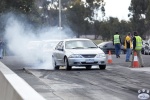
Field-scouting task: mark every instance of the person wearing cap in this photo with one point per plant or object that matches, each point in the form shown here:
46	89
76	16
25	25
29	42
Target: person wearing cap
137	47
128	46
117	43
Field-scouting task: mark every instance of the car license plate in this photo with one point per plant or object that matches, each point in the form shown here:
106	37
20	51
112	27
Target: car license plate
90	61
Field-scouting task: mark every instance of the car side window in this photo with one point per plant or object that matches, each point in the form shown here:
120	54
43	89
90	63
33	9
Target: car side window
111	45
105	45
58	45
108	45
61	46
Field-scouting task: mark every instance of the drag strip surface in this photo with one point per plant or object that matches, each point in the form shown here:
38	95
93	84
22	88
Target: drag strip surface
117	82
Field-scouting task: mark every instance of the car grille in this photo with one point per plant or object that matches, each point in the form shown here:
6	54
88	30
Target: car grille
90	63
89	56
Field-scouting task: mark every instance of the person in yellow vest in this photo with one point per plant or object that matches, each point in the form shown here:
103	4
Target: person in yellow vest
137	47
128	46
117	43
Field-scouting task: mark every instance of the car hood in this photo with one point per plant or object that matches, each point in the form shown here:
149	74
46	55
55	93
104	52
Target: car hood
85	51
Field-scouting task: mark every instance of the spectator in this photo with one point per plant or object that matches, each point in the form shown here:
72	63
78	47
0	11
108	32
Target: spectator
117	43
128	46
137	47
1	48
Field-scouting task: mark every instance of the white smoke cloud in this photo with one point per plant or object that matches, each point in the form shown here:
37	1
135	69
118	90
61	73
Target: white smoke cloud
18	33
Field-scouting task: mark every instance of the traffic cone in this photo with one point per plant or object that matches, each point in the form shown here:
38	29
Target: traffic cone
109	58
135	61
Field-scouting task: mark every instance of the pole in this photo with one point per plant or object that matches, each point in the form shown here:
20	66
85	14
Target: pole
59	13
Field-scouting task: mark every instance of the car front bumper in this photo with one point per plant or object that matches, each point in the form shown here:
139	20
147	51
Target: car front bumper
86	61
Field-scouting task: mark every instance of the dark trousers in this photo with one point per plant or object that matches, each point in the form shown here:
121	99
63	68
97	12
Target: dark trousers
117	49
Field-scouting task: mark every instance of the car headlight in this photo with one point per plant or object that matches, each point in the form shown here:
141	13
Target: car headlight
100	55
75	56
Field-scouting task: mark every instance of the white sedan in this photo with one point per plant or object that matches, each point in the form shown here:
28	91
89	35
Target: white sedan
78	52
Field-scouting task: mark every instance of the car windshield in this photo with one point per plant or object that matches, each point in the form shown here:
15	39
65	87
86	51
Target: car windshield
79	44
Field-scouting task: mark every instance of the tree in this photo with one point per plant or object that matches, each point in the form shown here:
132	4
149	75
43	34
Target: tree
2	6
79	13
140	15
75	18
24	6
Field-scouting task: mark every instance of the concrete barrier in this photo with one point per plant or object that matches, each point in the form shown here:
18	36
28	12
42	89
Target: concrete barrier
12	87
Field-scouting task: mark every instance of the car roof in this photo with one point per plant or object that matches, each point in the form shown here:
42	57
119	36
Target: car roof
50	40
103	43
71	39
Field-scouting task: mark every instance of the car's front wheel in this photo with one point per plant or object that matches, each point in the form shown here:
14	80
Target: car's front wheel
67	64
102	67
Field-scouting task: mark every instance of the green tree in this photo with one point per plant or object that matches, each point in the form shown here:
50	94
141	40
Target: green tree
75	18
140	15
23	6
79	13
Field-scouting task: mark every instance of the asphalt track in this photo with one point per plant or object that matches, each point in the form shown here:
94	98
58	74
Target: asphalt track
117	82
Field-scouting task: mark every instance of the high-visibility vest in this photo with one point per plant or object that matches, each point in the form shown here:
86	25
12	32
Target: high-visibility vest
138	43
116	39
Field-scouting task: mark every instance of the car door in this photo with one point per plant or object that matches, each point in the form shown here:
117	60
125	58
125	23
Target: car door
111	47
59	53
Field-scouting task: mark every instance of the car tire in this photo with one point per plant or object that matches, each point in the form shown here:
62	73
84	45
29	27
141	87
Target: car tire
56	67
54	64
67	64
88	67
121	52
102	67
146	52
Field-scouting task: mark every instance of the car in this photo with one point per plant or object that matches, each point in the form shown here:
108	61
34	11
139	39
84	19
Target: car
47	49
78	52
34	48
108	46
41	50
145	48
34	45
49	45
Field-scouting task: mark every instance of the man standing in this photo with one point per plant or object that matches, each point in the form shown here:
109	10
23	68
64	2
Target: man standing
128	46
137	47
1	49
117	43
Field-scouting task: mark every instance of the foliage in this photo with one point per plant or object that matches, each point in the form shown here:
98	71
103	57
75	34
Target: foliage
140	16
24	6
81	16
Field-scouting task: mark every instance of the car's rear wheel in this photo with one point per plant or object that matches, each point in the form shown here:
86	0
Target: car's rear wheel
54	64
102	67
67	64
88	67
